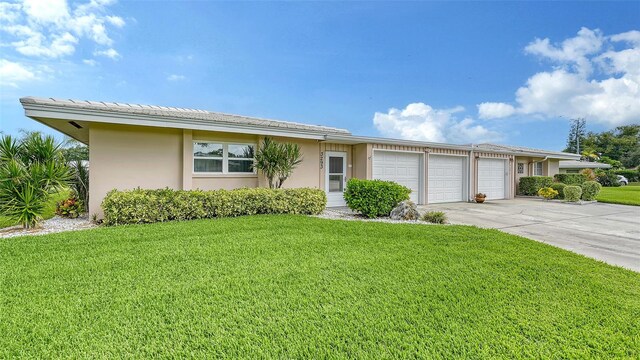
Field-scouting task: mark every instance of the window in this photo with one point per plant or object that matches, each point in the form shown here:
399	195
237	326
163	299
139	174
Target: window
212	157
573	171
537	169
520	168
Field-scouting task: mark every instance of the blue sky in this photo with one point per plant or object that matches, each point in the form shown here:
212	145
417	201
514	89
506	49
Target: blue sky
456	72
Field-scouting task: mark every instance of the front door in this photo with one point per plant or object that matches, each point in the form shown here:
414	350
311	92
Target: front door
335	178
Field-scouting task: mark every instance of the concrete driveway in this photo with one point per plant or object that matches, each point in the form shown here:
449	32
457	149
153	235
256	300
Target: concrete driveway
606	232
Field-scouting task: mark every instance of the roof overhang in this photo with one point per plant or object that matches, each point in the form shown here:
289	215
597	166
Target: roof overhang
549	155
59	118
583	165
354	140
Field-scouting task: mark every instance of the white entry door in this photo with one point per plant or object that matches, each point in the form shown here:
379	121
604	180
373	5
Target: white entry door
446	178
335	178
491	178
401	167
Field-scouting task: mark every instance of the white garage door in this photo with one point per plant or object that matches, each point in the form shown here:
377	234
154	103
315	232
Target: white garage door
403	168
491	178
446	178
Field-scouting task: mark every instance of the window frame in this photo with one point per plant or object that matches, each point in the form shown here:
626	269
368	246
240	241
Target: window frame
535	168
225	157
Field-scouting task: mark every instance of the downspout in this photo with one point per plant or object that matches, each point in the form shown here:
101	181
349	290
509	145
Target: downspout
535	162
470	195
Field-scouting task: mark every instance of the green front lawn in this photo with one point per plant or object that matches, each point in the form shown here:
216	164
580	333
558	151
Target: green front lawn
302	287
49	209
626	195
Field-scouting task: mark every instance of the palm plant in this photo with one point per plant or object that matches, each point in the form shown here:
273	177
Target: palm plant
277	161
80	182
30	170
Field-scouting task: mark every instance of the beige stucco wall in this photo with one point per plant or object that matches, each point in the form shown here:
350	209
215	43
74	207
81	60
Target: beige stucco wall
306	174
125	157
360	161
553	167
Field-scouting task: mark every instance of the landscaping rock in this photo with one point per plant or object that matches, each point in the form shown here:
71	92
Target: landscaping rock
406	210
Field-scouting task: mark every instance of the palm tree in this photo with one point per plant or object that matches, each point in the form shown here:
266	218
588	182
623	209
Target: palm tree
30	170
277	161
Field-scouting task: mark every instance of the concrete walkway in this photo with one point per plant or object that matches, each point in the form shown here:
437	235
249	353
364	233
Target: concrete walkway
607	232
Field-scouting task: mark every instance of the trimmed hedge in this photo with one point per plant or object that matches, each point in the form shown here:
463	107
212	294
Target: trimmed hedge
570	179
559	187
590	189
608	179
631	175
373	198
530	185
148	206
572	193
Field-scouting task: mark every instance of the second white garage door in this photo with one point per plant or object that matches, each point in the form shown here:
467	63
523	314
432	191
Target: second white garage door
403	168
446	178
491	178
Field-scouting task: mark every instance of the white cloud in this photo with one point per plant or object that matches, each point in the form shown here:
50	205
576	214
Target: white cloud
53	28
116	21
110	53
419	121
175	77
591	79
491	110
90	62
46	12
573	51
13	73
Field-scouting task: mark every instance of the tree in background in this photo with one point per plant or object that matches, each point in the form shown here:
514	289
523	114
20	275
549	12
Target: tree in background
74	150
576	136
31	169
621	144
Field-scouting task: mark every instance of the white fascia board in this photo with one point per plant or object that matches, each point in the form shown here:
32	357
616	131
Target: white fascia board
36	111
348	139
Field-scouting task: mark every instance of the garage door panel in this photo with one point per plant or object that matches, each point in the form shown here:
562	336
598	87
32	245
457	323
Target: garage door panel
491	178
403	168
446	178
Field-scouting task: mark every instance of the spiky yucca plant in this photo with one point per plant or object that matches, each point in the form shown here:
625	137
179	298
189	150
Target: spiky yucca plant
277	161
30	170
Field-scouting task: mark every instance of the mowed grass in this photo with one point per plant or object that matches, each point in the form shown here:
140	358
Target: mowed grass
302	287
49	209
626	195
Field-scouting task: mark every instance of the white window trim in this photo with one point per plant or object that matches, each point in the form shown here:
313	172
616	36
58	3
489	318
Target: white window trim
535	167
225	157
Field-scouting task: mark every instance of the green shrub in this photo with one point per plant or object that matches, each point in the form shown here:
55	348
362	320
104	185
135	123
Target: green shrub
608	179
570	179
148	206
559	187
529	185
31	169
572	193
590	189
373	198
69	208
631	175
548	193
435	217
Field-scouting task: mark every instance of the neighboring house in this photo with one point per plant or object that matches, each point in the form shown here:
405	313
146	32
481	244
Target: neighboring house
156	147
575	166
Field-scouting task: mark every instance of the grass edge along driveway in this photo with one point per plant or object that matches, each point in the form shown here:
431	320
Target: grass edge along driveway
295	286
624	195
